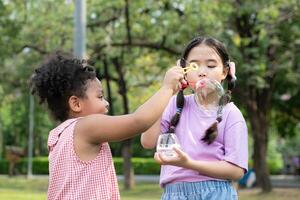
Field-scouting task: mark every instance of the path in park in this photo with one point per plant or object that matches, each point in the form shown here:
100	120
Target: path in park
287	181
282	181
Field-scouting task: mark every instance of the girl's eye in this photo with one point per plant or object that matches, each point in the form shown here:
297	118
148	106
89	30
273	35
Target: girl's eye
211	66
100	97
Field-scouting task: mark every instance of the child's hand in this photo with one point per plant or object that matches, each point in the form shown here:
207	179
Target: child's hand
173	79
181	160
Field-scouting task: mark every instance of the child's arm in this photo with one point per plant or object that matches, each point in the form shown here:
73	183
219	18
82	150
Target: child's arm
217	169
149	137
103	128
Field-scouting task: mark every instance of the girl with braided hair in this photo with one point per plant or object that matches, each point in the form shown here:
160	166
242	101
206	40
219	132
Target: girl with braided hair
80	161
212	134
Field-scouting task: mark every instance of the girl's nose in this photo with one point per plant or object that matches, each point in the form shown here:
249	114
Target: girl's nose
202	71
202	75
107	105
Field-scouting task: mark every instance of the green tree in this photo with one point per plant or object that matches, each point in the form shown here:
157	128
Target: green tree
266	54
133	42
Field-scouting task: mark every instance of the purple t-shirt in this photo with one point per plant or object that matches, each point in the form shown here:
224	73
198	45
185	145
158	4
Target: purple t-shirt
230	145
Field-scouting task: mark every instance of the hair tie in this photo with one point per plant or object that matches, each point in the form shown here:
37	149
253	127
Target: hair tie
232	70
178	63
181	62
178	110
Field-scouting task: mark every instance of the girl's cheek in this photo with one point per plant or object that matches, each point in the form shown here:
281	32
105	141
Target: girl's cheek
191	77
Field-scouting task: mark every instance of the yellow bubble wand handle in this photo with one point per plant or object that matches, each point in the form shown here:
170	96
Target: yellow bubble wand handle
191	66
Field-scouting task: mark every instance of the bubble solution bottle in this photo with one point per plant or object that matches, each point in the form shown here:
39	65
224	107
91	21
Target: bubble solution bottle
165	144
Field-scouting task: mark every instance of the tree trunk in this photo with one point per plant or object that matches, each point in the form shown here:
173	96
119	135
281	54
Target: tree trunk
258	100
127	144
127	165
108	90
1	140
259	126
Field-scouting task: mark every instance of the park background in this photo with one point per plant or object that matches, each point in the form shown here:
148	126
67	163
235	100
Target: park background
131	44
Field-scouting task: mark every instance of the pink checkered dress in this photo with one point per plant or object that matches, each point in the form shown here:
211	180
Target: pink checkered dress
72	178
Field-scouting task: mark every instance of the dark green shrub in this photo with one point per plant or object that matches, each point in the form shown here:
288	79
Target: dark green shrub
141	166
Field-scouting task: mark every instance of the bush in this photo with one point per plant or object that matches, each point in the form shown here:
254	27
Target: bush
3	167
141	166
275	165
40	166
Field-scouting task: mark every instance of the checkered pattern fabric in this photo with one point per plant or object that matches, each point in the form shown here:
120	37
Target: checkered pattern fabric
72	178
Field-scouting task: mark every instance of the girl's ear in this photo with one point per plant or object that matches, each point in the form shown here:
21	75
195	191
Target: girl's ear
225	72
75	104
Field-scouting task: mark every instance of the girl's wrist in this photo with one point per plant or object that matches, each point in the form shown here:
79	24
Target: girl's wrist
167	89
188	163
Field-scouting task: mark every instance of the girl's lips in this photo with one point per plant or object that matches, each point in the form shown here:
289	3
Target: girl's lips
201	84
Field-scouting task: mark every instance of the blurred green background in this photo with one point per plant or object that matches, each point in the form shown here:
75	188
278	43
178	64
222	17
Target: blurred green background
132	43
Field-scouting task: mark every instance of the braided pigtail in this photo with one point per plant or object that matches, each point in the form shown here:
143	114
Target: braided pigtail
179	104
212	132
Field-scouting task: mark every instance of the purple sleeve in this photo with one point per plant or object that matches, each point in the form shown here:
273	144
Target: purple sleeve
236	140
168	114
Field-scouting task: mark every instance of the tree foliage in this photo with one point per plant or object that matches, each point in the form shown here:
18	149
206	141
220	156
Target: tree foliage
145	38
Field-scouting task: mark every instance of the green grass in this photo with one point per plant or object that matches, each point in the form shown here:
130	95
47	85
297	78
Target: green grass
276	194
20	195
145	191
20	188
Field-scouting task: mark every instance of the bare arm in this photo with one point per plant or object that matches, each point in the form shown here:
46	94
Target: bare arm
102	128
216	169
149	137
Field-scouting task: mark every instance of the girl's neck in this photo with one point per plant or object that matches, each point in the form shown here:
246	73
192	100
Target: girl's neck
75	115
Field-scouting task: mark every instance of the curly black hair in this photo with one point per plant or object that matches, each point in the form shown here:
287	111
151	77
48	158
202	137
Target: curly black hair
57	79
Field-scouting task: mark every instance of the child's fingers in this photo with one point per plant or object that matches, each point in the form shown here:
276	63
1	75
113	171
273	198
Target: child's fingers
157	158
171	159
179	76
179	152
183	84
161	159
179	72
183	81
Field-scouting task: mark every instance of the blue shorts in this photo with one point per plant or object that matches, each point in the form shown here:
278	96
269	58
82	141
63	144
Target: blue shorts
203	190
